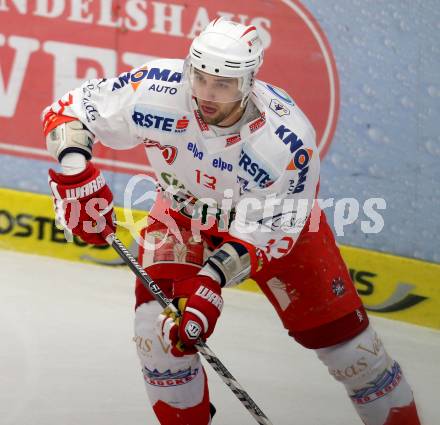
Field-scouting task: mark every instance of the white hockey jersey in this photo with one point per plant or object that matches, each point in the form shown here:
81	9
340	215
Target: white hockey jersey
267	171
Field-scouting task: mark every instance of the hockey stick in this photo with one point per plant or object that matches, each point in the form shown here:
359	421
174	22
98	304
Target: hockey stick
201	346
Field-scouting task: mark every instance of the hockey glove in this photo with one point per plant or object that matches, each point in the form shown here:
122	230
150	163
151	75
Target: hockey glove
83	203
199	301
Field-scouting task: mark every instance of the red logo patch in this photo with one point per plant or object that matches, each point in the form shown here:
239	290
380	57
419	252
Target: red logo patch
169	153
182	124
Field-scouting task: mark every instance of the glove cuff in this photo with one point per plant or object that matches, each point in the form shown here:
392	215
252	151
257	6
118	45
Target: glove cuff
185	287
73	179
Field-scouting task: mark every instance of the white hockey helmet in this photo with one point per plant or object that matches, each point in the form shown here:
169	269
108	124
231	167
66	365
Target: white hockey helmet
225	49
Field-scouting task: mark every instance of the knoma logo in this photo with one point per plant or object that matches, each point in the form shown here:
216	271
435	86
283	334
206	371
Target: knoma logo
143	73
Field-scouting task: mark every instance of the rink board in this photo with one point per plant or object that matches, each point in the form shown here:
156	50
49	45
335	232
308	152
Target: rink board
391	286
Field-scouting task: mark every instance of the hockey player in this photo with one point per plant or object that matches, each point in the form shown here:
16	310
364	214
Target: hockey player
238	170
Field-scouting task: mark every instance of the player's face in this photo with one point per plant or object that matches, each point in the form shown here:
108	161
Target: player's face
215	113
217	97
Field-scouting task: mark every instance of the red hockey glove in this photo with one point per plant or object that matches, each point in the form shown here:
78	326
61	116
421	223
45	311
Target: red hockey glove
83	203
200	303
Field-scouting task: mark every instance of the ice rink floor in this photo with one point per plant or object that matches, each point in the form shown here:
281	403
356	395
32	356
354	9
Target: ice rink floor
67	355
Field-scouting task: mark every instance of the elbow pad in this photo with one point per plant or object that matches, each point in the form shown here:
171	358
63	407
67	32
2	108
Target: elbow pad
231	263
72	136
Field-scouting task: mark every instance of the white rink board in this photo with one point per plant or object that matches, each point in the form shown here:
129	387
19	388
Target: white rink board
66	354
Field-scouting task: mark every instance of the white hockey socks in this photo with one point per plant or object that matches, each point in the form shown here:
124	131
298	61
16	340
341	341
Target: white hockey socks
374	381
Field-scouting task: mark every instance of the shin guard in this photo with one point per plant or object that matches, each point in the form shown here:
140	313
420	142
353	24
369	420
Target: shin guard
374	381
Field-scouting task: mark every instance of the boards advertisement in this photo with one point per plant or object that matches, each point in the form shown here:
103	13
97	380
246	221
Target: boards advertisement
49	47
390	286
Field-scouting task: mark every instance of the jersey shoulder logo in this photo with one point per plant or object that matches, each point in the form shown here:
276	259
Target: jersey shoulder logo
279	108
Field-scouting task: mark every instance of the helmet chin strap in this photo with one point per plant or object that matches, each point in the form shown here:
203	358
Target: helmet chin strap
244	102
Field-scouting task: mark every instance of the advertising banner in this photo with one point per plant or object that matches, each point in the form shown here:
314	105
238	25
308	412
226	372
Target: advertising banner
390	286
48	47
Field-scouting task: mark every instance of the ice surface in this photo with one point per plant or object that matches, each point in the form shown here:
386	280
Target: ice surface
67	358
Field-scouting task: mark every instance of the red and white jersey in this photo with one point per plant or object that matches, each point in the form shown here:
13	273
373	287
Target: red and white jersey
267	170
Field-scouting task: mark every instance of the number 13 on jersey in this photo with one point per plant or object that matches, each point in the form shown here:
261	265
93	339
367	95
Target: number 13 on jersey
205	180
